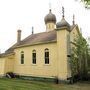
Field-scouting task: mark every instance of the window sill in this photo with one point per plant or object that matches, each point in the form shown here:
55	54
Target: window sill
34	64
47	64
22	64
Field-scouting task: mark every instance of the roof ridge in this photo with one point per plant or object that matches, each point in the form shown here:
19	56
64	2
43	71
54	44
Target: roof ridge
34	39
36	34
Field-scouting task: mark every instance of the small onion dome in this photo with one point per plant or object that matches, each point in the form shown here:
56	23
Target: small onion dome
50	17
63	23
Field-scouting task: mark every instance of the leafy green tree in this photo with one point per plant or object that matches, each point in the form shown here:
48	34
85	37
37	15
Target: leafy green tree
86	2
89	60
79	56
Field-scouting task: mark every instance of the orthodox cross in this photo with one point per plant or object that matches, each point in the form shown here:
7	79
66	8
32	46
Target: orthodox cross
63	12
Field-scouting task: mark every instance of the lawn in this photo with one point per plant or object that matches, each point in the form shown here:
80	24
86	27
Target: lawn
17	84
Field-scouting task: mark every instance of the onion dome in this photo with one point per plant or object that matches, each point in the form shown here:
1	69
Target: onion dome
63	23
50	17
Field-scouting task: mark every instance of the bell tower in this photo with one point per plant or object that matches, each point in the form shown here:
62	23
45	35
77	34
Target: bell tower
63	32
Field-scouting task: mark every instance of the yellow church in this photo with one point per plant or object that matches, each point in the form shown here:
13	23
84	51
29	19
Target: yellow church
45	54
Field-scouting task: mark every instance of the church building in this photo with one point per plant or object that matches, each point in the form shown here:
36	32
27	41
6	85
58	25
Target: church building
46	54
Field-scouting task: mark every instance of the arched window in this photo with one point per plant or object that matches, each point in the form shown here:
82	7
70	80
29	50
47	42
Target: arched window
46	56
22	57
34	56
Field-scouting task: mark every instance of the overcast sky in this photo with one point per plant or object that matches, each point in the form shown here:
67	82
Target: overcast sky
23	14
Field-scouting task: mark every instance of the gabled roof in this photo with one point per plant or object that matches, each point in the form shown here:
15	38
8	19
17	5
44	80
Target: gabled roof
33	39
72	27
39	38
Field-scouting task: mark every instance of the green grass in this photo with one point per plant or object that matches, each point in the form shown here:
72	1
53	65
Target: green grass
17	84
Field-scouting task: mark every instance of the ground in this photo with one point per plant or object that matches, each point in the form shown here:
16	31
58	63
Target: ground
18	84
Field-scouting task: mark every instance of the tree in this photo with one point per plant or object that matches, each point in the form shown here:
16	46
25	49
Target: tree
89	59
86	2
79	56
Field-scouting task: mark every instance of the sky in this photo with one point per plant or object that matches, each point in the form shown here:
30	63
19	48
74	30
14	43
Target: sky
23	14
